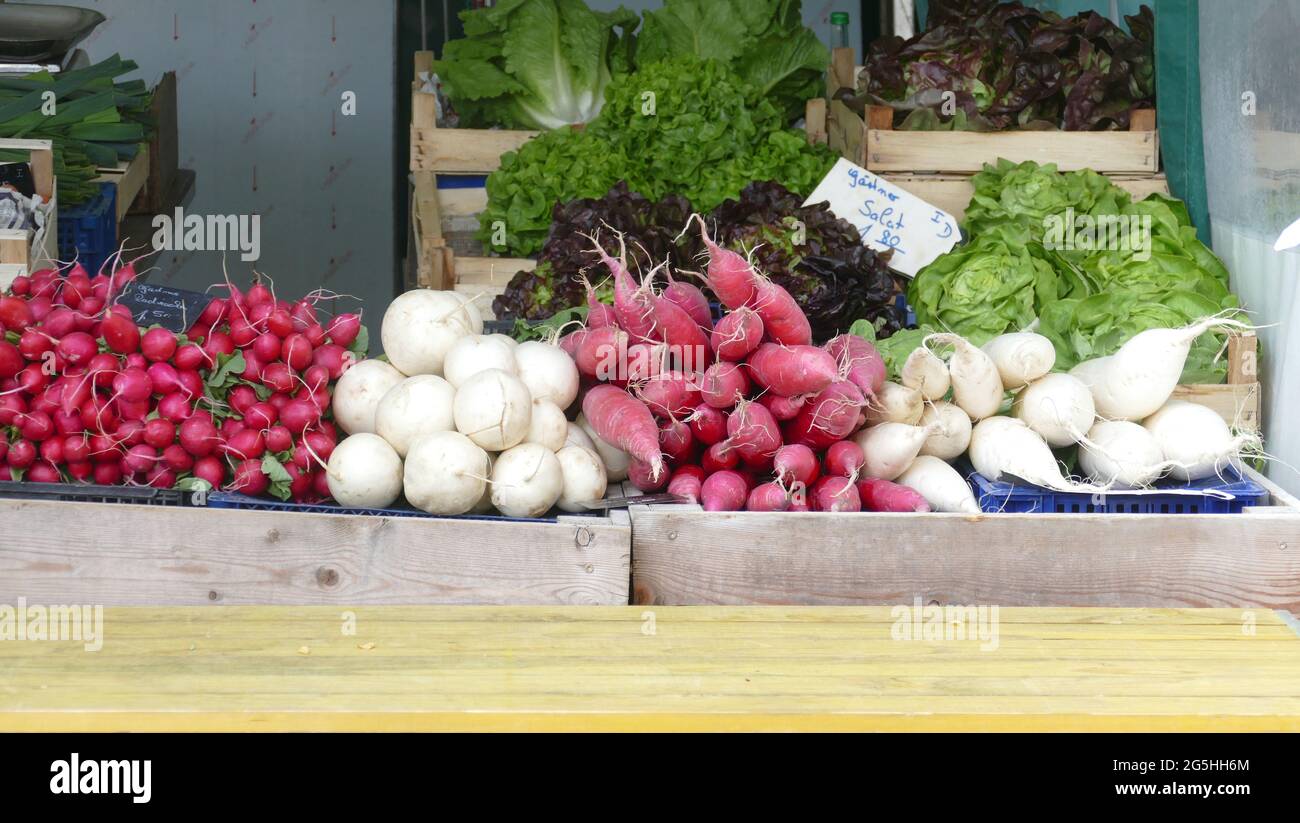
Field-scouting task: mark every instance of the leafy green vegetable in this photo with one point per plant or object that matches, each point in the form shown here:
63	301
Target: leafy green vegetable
1088	300
1004	66
763	41
279	477
535	64
682	126
985	288
96	121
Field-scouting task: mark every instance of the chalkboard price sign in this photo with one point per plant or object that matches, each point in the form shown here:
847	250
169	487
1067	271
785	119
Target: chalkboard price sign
154	305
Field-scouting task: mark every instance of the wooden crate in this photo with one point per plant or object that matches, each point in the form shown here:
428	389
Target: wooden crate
682	555
873	143
447	257
23	251
130	177
129	555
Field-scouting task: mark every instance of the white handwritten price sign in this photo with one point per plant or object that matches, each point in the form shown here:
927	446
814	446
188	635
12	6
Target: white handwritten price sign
887	217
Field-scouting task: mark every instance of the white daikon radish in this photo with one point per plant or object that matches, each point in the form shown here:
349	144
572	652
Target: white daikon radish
358	392
494	409
421	326
584	478
895	404
445	473
1137	380
548	371
925	372
951	427
547	425
1004	448
526	480
415	407
941	485
1121	454
615	459
474	353
889	448
364	472
976	384
1021	357
1196	440
1058	407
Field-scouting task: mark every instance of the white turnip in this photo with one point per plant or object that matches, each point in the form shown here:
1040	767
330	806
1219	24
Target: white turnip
445	473
358	392
364	472
415	407
526	480
494	409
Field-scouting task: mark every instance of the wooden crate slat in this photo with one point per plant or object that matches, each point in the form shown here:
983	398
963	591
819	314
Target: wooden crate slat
689	557
956	151
115	554
463	151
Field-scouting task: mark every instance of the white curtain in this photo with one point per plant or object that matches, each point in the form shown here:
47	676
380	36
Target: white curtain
1250	103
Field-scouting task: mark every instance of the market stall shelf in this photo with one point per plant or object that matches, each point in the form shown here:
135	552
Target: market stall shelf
634	669
128	555
683	555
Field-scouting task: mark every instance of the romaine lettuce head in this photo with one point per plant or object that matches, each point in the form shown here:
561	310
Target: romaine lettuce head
535	64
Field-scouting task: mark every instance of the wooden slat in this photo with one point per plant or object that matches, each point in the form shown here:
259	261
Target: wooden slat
410	668
463	151
130	177
842	75
694	557
846	133
64	552
1238	404
958	151
815	120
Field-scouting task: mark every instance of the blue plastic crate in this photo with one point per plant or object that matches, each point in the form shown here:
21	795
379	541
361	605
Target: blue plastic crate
89	231
1231	494
234	500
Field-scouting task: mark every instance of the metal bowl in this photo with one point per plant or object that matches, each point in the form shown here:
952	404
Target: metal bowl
30	33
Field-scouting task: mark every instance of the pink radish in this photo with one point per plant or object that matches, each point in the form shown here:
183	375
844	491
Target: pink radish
719	457
783	321
829	417
796	464
599	315
858	362
626	422
737	334
768	497
676	440
833	493
793	370
753	432
729	276
671	394
709	425
687	482
690	299
782	408
724	491
724	384
633	305
845	459
644	478
601	351
883	496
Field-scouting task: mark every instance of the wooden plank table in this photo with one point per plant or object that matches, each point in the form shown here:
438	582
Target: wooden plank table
642	668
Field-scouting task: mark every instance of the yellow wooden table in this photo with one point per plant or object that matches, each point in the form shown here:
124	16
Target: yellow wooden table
641	668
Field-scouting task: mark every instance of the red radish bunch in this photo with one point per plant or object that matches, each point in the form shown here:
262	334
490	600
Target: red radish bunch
741	413
240	401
